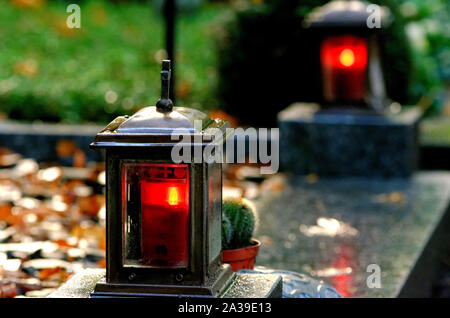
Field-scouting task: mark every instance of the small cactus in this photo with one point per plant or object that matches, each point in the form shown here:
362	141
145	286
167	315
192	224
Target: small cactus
238	223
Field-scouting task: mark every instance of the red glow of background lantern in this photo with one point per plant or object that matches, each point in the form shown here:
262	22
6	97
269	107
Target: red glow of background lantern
164	192
344	66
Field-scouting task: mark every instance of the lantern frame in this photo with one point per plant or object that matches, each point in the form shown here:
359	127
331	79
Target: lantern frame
145	137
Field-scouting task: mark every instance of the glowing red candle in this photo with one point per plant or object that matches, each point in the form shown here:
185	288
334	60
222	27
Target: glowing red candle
165	216
344	66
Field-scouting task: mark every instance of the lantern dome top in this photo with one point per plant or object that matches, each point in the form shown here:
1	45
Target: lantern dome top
150	126
341	13
151	120
156	124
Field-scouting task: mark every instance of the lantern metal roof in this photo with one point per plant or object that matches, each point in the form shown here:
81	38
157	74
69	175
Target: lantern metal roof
156	124
346	14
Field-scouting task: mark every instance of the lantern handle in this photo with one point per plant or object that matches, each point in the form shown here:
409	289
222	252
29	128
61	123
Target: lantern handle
165	104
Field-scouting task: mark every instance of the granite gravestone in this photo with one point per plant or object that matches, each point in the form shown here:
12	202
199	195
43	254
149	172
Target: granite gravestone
348	142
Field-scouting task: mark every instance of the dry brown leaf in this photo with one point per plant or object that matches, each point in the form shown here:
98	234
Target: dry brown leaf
102	263
312	178
8	290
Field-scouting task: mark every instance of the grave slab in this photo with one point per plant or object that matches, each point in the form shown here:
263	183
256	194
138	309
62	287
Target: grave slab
257	285
334	229
39	140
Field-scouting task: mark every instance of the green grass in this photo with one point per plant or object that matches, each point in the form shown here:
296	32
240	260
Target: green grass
113	51
435	131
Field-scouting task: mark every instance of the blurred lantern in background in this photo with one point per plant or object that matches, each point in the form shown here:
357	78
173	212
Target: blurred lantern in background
349	52
344	64
163	218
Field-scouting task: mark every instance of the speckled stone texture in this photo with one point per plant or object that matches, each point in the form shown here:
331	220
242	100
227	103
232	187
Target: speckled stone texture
297	285
81	285
257	285
348	142
333	229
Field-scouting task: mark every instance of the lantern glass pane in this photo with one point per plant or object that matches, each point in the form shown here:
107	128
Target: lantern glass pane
155	214
214	176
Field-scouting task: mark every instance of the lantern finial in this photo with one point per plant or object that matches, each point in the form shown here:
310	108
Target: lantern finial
165	105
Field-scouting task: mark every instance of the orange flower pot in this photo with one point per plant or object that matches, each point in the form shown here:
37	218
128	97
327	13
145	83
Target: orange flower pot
242	258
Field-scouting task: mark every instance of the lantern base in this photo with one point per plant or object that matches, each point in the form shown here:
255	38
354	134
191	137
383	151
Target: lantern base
214	288
89	282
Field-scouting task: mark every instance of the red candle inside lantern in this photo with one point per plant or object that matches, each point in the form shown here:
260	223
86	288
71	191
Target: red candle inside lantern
165	216
344	65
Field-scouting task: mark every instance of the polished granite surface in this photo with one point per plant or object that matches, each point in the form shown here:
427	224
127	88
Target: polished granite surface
334	229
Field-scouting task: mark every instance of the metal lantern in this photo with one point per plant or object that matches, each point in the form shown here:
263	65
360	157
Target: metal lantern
349	52
163	218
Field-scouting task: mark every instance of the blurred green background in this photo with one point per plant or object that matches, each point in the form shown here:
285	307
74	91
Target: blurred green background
111	65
